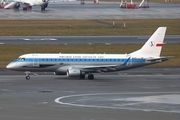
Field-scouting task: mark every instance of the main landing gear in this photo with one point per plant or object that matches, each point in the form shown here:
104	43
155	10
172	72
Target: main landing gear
43	7
90	76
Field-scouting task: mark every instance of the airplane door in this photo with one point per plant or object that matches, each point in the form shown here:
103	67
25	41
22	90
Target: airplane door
129	63
35	60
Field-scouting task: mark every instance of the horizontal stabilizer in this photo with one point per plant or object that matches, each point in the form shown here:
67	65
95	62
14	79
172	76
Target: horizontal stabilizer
156	59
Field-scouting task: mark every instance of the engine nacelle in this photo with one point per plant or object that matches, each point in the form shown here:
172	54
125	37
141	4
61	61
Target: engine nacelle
74	72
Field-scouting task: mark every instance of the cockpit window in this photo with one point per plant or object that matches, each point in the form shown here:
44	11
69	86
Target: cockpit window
22	59
18	58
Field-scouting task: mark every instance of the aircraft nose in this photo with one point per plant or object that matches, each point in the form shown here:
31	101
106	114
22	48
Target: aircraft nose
9	66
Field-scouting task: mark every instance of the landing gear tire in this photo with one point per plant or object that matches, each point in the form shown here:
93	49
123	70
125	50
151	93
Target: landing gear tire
27	77
91	77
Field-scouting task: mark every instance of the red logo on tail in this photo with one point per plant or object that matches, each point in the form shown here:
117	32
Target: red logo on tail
159	45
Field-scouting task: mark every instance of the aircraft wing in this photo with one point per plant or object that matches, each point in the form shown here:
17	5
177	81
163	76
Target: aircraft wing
100	68
97	67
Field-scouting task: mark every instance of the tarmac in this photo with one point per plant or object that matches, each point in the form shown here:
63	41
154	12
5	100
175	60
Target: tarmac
89	11
142	93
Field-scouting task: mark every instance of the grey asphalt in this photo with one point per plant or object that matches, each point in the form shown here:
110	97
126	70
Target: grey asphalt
89	11
82	39
151	95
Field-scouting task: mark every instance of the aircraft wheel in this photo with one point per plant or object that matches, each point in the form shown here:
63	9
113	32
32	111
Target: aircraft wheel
27	77
90	76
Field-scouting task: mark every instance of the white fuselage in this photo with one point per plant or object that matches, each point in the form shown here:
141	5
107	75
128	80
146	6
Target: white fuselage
62	62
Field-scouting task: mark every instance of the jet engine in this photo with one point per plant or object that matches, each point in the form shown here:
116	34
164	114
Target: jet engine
74	72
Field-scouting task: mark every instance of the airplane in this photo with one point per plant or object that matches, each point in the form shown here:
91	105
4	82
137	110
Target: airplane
28	4
80	65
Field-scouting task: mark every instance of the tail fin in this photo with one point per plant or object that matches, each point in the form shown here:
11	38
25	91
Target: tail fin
152	48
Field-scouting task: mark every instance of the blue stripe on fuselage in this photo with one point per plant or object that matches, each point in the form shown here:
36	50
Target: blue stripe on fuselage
124	60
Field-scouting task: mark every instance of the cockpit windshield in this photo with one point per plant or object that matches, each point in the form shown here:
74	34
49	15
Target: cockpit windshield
20	59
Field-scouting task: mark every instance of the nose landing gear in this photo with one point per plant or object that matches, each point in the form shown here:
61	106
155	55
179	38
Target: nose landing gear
27	75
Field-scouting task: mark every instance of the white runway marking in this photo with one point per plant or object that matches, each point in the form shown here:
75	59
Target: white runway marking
26	39
48	39
37	39
144	101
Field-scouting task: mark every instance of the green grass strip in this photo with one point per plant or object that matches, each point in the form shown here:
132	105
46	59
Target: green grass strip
86	27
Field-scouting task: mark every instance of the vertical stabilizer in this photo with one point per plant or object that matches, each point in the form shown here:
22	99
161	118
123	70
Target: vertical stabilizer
152	48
